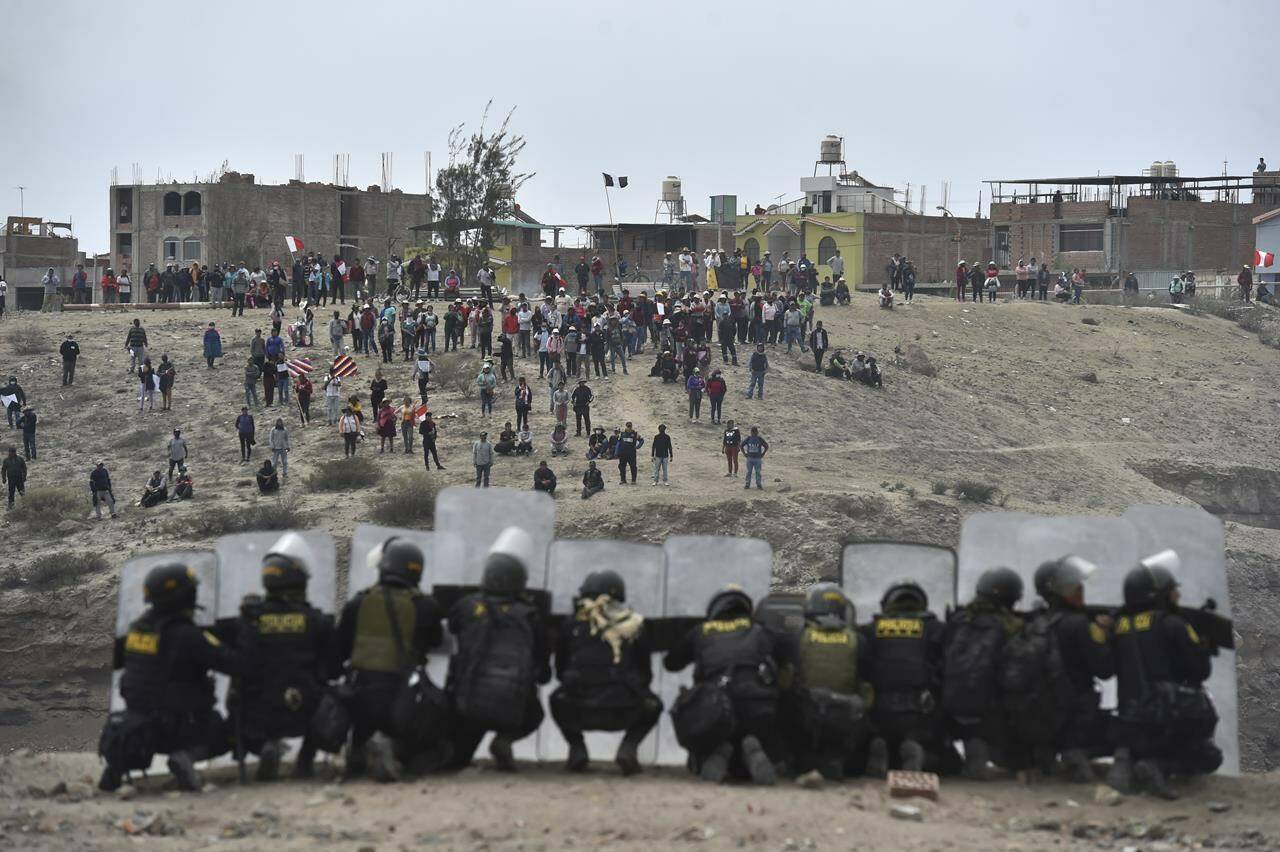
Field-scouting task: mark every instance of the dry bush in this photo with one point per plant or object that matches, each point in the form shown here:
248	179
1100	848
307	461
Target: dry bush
28	339
343	475
976	492
938	487
138	439
61	569
282	513
406	502
49	504
457	374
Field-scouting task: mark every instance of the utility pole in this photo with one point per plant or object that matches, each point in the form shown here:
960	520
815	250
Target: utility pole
946	212
22	200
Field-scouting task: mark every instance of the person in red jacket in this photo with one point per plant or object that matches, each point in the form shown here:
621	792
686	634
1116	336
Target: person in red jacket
1245	280
962	280
717	387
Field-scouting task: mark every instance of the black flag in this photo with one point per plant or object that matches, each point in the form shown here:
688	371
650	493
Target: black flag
622	181
608	179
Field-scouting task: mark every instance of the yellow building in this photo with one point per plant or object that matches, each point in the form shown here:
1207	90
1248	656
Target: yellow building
815	235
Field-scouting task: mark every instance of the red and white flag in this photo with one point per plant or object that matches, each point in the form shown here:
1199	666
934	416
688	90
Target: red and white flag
420	413
299	366
1262	259
295	245
343	366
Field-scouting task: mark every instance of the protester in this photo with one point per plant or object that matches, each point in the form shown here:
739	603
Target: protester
147	382
70	352
268	479
487	383
758	365
17	399
754	449
13	472
544	479
349	429
592	481
165	377
278	441
212	345
818	342
428	430
155	492
100	490
302	389
135	342
663	453
28	425
482	458
177	452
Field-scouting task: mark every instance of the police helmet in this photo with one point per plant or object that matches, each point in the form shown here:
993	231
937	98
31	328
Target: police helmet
400	562
605	582
506	569
1062	577
285	564
170	587
1150	583
1001	585
907	596
826	604
729	601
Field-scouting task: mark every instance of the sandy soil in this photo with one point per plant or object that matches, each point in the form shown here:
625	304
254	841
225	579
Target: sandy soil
1026	397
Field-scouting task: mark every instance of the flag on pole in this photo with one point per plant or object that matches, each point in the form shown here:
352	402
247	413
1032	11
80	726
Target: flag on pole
343	366
608	180
420	414
1263	258
295	245
299	366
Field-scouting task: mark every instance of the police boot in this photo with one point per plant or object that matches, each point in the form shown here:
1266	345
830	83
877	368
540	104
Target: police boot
269	761
579	759
911	755
1149	774
878	758
1120	776
627	759
715	766
976	757
1076	767
183	770
356	762
759	766
500	750
382	760
433	759
110	780
304	765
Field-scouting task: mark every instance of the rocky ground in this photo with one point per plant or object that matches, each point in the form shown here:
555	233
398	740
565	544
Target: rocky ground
1063	409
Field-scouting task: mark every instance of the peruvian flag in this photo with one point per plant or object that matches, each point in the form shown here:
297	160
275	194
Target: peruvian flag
295	245
1263	258
420	413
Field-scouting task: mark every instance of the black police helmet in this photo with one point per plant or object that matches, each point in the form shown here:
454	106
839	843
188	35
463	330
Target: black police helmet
1002	585
826	604
400	562
504	575
1062	577
1148	586
170	588
729	601
281	573
906	596
605	582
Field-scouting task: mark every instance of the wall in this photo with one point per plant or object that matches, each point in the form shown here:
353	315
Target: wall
929	242
811	234
1268	239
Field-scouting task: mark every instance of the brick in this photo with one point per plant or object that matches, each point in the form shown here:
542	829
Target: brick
905	785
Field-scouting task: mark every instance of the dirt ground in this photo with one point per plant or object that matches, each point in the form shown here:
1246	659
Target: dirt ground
1061	408
47	802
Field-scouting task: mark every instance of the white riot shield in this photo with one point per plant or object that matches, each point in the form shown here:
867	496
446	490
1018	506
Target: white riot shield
987	540
478	515
869	568
240	568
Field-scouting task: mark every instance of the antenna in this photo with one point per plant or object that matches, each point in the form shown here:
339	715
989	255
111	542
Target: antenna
22	200
428	157
387	164
299	168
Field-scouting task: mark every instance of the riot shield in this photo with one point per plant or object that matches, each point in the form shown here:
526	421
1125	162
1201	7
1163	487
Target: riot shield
987	539
240	569
642	566
478	515
869	568
697	567
444	552
1109	543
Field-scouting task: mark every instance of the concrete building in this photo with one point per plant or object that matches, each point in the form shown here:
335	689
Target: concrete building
1267	240
31	246
235	218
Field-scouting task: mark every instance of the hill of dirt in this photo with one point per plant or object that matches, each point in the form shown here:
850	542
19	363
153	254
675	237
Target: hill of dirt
1061	409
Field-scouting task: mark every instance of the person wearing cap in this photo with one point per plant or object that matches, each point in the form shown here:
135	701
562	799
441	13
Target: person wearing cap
486	383
583	396
1245	280
544	479
758	365
429	430
694	388
70	352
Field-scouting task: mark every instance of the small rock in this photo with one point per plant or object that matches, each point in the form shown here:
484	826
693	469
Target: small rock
906	812
1090	321
126	792
1219	807
811	780
1104	795
1090	377
57	789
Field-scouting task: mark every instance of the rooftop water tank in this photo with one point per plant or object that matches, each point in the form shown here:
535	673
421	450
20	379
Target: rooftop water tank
830	150
1157	169
671	189
1170	169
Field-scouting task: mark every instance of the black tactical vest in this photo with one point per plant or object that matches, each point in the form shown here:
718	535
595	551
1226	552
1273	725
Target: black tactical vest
900	653
148	683
593	677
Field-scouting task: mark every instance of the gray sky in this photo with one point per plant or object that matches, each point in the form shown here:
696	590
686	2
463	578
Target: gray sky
732	97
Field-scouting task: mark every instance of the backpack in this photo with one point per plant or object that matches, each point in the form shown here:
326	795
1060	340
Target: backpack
971	663
1034	688
496	677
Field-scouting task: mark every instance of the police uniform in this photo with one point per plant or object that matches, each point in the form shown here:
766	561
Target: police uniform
906	654
975	639
829	698
1085	649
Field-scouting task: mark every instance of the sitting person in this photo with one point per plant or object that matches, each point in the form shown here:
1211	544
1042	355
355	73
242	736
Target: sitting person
857	368
656	369
544	479
611	444
837	367
842	292
155	492
592	481
871	375
506	441
596	442
560	440
183	487
524	442
669	369
1061	293
268	479
886	297
827	293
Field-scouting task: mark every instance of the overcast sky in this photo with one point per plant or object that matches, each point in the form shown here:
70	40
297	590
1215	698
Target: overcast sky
732	97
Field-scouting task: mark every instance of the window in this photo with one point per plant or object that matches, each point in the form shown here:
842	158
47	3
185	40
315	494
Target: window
124	245
826	250
530	237
1086	237
172	204
752	248
190	249
170	252
191	204
124	206
644	243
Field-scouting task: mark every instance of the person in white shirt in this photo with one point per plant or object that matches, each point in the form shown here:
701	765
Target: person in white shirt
524	316
433	278
686	268
371	275
332	397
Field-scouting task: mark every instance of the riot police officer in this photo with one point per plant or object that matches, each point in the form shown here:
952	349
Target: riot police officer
291	664
829	698
385	631
975	641
727	720
905	643
167	688
1165	718
603	663
502	655
1081	655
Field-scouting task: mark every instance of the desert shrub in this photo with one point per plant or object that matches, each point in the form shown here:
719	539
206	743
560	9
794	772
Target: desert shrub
977	492
28	339
457	374
137	439
61	569
49	504
282	513
938	487
342	475
407	502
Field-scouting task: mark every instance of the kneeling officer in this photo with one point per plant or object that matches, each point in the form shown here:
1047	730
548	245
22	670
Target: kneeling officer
603	663
167	688
289	666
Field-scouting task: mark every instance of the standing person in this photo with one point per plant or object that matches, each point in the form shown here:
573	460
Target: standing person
754	448
663	453
962	280
433	272
13	411
302	390
349	429
4	293
694	388
759	365
836	262
166	374
251	375
818	342
332	396
245	431
976	279
336	330
408	413
377	391
100	490
135	343
50	282
239	289
13	471
1077	285
1245	280
487	383
524	402
1022	274
146	385
177	452
124	286
729	447
583	396
385	420
70	351
28	424
482	458
212	345
428	430
628	443
1042	281
908	281
717	387
278	441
